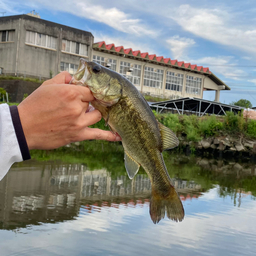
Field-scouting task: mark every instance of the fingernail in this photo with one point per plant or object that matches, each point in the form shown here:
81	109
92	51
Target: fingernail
118	138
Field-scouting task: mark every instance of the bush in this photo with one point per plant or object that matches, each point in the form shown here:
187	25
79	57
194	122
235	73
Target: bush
234	123
172	121
251	128
209	126
2	94
190	127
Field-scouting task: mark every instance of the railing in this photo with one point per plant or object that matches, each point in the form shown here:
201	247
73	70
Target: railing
4	98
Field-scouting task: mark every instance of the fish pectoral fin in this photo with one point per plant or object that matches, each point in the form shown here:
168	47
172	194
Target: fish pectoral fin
131	166
111	128
169	139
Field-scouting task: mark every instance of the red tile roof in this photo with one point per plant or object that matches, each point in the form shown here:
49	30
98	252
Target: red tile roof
152	57
144	55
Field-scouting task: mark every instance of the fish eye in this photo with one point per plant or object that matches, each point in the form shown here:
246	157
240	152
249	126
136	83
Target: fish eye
96	69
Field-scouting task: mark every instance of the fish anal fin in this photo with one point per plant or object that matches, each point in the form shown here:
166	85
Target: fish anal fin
131	166
169	139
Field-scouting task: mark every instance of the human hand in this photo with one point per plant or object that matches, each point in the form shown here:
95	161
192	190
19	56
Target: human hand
55	115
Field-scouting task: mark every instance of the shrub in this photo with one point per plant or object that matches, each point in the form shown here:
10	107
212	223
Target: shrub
235	123
209	126
190	127
172	121
251	128
2	93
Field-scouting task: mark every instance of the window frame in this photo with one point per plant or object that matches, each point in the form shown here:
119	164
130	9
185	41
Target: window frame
193	85
74	48
70	67
32	39
174	81
7	35
153	77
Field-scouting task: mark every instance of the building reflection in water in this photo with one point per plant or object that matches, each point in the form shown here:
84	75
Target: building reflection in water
55	193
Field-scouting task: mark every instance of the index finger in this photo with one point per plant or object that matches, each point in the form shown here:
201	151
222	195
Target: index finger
85	93
62	78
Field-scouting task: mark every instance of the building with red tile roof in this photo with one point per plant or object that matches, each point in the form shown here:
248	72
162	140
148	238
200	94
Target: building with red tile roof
156	75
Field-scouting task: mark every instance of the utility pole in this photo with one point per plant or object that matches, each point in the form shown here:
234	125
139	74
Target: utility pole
3	13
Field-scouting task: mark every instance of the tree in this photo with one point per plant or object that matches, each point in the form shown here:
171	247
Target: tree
242	103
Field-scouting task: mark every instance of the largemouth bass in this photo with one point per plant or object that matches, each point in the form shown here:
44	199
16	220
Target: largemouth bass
127	113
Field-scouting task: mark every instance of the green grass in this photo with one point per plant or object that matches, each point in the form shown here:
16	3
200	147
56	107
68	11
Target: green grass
195	128
154	99
35	80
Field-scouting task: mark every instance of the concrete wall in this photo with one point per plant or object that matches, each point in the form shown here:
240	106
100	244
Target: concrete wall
8	50
23	59
17	88
37	60
210	85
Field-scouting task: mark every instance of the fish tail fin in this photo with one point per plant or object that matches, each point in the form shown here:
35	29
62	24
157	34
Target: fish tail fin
166	204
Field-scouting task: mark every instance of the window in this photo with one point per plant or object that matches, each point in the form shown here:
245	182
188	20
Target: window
99	60
112	63
74	47
7	36
131	72
193	85
174	81
153	77
102	61
71	68
42	40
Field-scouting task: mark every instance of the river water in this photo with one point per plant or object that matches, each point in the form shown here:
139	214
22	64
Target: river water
75	207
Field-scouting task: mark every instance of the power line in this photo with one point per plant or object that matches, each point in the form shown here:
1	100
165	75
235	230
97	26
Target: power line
216	65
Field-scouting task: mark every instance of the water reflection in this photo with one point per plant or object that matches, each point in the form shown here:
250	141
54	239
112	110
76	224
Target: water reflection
52	208
53	193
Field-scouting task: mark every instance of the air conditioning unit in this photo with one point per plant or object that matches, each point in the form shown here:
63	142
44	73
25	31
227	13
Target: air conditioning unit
107	63
130	68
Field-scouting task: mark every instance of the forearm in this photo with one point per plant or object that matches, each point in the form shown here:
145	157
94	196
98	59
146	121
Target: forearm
13	146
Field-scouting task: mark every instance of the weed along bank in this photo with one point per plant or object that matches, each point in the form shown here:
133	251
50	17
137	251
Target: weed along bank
232	134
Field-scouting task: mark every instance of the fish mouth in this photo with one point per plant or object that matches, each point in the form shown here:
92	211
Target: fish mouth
81	75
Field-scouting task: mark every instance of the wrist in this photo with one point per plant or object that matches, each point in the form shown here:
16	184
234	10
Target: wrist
19	133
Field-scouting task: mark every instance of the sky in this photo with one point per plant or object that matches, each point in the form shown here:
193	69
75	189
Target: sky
217	34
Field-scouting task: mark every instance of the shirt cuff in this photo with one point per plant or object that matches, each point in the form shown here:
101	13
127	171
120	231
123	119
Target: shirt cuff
19	133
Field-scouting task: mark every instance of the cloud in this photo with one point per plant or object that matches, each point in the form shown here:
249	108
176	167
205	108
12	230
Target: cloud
224	65
7	7
247	58
215	25
126	42
179	45
253	81
111	16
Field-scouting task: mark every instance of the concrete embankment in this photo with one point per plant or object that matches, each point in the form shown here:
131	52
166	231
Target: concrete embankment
222	145
18	88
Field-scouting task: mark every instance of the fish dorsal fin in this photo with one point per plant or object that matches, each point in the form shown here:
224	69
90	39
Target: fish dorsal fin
169	139
131	165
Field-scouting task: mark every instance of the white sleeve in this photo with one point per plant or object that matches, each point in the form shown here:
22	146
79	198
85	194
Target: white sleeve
12	146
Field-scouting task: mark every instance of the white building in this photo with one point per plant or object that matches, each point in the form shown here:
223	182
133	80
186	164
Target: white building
158	76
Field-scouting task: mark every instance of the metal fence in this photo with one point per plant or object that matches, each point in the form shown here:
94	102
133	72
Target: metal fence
4	98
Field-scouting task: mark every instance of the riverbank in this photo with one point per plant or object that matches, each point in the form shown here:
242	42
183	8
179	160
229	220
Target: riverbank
231	135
